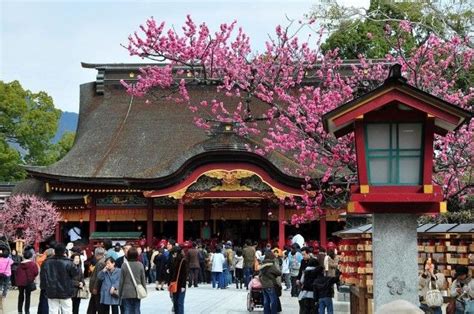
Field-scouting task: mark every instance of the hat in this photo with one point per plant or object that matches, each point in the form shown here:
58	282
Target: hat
69	246
462	270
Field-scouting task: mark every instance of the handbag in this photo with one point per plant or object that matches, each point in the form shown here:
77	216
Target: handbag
31	286
433	297
173	286
141	291
115	293
83	293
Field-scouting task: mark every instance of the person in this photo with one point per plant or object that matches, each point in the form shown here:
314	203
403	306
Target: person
268	277
431	278
16	262
321	256
306	296
285	270
119	261
203	274
152	273
460	288
127	289
94	282
143	258
78	282
332	264
57	273
229	255
295	259
43	299
239	268
323	290
179	273
5	272
160	268
110	249
217	261
249	259
110	278
193	259
25	278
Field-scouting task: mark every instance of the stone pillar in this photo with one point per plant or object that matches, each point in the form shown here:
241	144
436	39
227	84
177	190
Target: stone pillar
323	232
281	225
180	238
395	258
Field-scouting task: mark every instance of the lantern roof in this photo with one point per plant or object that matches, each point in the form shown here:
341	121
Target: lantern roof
395	89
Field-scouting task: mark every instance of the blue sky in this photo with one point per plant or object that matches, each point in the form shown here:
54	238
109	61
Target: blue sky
42	43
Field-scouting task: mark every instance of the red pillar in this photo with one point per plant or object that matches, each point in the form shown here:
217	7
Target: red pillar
180	238
149	223
281	225
92	218
57	235
322	232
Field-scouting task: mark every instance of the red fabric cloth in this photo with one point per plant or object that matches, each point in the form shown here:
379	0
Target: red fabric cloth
26	273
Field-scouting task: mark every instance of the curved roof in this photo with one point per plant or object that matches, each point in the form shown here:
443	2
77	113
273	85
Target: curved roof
120	137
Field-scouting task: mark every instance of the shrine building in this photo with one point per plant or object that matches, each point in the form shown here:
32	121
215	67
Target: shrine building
141	168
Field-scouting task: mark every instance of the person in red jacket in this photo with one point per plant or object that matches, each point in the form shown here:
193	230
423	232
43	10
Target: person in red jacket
25	277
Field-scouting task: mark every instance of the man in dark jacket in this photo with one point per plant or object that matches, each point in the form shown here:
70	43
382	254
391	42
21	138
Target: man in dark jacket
94	283
305	252
268	278
323	290
193	260
57	273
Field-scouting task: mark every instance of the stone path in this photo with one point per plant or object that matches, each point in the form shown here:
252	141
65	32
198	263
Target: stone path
198	300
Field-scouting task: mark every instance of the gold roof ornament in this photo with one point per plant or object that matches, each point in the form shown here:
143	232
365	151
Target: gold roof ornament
230	179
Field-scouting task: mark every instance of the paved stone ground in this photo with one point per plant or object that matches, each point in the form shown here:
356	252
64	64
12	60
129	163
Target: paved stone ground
198	300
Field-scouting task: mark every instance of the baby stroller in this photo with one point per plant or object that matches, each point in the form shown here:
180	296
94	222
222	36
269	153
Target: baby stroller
255	295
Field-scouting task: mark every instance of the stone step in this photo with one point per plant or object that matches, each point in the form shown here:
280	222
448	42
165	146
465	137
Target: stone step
342	307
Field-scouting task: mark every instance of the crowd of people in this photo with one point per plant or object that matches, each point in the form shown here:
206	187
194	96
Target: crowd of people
118	275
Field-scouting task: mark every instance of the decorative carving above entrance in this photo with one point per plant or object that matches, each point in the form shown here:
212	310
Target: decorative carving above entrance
230	179
122	200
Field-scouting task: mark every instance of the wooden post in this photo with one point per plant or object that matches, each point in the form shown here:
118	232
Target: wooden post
57	235
92	218
180	238
281	225
322	232
149	223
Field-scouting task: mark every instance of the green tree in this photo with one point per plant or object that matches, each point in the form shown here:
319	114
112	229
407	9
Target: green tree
28	122
64	145
368	32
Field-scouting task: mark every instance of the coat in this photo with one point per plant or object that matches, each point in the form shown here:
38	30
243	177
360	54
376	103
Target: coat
109	280
217	261
438	281
249	256
57	274
323	286
26	273
193	258
268	274
160	261
127	289
94	283
78	279
183	272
